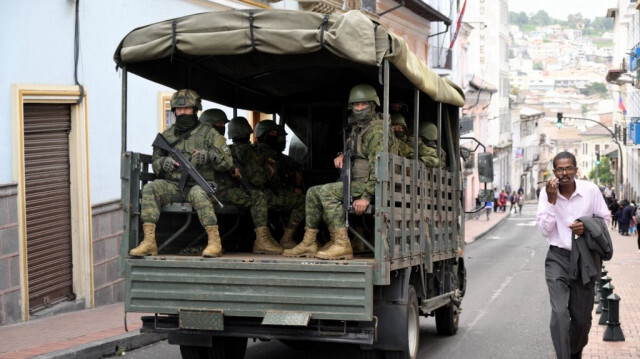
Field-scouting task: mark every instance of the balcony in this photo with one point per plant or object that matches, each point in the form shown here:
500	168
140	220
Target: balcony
440	58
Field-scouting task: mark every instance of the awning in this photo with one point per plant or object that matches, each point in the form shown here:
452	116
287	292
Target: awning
611	152
424	10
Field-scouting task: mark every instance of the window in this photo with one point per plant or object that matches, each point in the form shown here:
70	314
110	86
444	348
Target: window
167	117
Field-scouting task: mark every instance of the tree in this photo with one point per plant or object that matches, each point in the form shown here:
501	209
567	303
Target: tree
541	18
595	88
605	171
538	65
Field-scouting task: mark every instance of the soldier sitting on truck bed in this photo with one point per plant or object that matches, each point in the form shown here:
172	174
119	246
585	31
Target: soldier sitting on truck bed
428	135
216	118
283	188
325	201
208	152
405	142
243	185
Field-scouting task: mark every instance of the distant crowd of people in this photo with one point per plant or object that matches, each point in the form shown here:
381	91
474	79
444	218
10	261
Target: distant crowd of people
624	214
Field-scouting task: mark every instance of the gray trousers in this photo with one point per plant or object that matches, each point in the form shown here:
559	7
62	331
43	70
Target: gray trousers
571	306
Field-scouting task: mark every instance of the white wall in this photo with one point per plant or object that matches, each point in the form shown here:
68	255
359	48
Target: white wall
36	39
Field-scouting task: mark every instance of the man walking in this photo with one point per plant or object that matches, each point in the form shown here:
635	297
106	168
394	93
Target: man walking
565	200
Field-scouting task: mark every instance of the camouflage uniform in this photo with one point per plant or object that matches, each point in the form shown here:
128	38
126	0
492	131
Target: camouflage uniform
428	154
280	187
253	175
164	190
325	201
405	146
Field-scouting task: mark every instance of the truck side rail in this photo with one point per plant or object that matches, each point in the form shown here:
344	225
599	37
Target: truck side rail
421	213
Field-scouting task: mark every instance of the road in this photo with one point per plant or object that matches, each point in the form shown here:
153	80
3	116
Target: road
505	312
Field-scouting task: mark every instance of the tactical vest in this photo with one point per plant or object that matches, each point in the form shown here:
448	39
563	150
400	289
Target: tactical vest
197	140
360	169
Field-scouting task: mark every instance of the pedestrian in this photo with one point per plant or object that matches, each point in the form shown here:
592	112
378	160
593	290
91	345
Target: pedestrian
325	202
208	152
538	193
488	206
478	208
614	207
562	203
625	218
608	194
496	199
520	202
513	199
637	219
503	200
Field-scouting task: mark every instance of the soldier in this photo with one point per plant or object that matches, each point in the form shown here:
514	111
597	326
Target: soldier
325	201
404	141
283	188
208	152
428	134
216	118
242	186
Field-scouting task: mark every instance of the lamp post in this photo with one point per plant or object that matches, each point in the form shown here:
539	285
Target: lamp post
613	136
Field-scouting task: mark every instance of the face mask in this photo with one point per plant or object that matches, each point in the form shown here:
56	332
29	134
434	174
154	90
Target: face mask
185	122
399	134
272	141
221	129
241	139
361	115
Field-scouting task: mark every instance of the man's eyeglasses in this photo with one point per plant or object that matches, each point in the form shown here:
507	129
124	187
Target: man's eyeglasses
564	169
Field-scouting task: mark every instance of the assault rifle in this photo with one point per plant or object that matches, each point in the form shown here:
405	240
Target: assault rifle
345	176
186	167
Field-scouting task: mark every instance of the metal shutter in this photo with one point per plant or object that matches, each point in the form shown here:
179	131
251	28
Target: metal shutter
48	204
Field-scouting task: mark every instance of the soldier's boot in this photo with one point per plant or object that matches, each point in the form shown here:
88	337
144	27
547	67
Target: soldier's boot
214	247
263	245
273	240
287	241
148	245
307	248
341	249
332	240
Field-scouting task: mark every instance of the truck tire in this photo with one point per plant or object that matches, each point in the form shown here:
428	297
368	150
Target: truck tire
221	348
413	329
447	316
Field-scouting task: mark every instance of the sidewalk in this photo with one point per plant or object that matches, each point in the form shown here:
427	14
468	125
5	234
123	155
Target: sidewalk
96	333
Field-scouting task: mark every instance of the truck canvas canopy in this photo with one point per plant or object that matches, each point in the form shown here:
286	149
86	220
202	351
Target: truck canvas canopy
256	59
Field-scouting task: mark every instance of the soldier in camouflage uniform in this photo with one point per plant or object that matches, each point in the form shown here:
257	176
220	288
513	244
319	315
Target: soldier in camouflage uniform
428	134
216	118
325	201
207	151
243	185
404	141
283	187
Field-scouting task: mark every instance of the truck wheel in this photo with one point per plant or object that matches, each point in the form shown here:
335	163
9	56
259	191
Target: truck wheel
447	316
221	348
413	329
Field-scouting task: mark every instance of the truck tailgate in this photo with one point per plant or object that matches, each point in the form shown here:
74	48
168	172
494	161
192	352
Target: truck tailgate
248	285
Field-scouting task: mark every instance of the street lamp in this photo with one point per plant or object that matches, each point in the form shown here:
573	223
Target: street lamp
613	136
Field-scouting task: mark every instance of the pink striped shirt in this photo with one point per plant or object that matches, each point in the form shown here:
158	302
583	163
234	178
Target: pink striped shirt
553	220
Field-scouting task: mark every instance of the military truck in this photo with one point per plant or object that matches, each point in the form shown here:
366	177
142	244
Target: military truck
299	67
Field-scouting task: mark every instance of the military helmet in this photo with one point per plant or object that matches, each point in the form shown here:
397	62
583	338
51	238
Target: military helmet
428	130
239	126
265	126
213	115
397	119
363	93
186	98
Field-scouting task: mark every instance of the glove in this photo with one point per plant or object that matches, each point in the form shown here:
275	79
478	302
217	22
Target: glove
168	164
201	157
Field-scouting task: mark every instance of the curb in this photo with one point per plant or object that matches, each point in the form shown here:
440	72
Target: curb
490	228
106	347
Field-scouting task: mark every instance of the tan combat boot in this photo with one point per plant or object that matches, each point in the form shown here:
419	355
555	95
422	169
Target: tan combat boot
287	241
214	247
341	249
148	245
332	235
263	245
307	248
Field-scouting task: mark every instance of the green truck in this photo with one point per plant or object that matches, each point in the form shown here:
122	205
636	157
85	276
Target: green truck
299	67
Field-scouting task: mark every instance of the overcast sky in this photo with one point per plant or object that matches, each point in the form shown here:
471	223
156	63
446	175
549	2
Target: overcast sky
560	9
